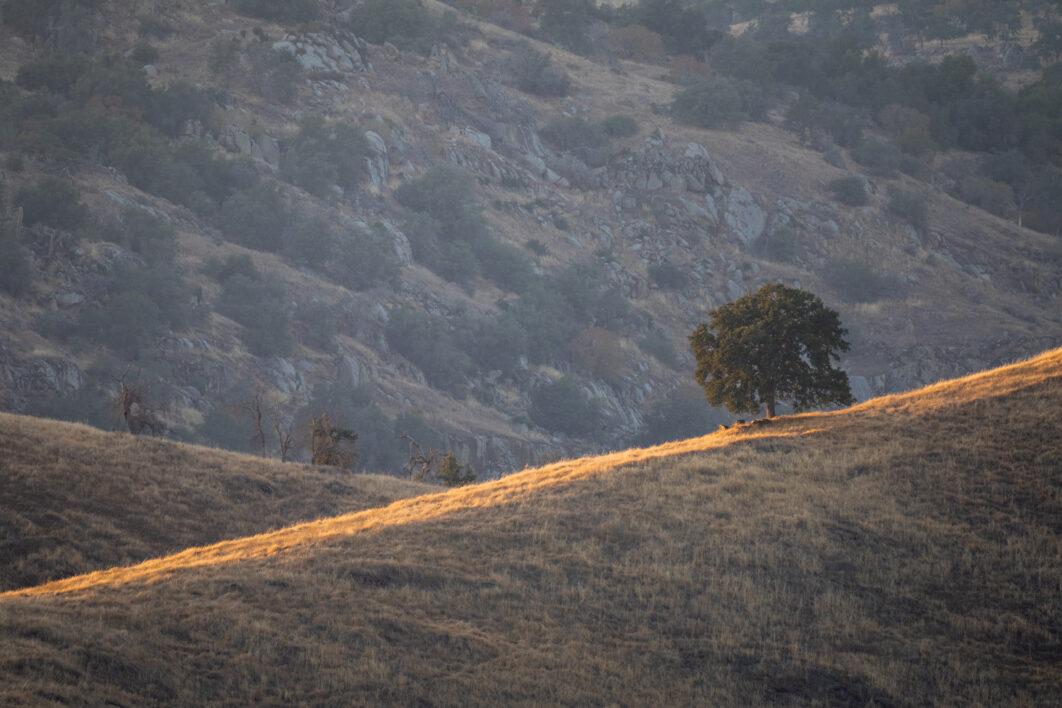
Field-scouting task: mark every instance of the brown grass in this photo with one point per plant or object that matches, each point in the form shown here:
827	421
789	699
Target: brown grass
74	499
905	551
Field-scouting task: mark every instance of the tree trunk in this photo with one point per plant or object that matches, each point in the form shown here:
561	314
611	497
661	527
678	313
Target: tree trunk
769	405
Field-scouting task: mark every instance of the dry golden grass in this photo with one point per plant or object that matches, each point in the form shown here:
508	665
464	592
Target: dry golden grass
74	499
905	551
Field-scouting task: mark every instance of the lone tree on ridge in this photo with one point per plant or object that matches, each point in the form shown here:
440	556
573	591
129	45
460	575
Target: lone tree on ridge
773	345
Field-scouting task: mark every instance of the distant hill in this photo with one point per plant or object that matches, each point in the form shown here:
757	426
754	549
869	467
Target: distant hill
901	551
74	499
462	222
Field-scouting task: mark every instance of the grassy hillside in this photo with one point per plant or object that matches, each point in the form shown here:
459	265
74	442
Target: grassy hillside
74	499
904	551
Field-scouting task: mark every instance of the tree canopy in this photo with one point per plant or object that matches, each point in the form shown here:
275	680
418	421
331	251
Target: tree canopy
773	345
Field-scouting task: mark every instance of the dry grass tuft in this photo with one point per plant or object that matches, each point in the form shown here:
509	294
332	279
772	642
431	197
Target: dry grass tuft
902	551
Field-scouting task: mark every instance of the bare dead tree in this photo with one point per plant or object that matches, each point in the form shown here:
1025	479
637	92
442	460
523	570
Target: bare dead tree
253	408
420	466
133	408
331	444
284	431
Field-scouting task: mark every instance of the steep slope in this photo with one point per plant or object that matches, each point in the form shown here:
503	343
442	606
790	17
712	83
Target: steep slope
74	499
902	551
678	220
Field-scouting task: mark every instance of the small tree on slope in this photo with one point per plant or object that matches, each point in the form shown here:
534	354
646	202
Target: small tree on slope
773	345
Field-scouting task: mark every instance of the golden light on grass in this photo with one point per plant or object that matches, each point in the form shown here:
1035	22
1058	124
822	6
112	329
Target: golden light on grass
902	551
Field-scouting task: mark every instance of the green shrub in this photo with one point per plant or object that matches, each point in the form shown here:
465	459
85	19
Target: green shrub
56	73
144	53
427	342
660	348
279	10
365	259
909	206
849	190
854	280
150	236
404	23
126	323
506	266
562	406
579	137
275	73
453	474
316	325
261	307
236	264
884	159
52	202
496	344
256	218
531	72
33	17
667	276
718	102
548	319
620	126
680	415
780	244
323	155
16	274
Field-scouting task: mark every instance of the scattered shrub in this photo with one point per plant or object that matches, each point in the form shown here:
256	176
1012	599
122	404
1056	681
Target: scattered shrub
256	218
261	307
151	237
531	72
315	323
366	258
16	275
562	406
850	190
578	136
619	126
716	102
323	155
667	276
275	73
854	280
909	206
52	202
404	23
659	347
144	53
279	10
637	43
427	342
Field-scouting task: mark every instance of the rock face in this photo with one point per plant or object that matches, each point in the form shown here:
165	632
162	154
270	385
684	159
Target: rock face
321	53
746	219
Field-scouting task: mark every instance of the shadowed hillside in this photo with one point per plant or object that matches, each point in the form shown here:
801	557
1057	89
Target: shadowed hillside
902	551
74	499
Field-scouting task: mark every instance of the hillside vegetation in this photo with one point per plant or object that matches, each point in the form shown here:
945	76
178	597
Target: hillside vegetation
491	225
74	499
903	551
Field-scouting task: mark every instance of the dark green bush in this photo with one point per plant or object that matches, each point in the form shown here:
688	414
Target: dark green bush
365	259
56	73
667	276
562	406
33	17
427	342
275	73
52	202
680	415
532	72
126	323
780	244
256	218
148	235
853	280
659	347
620	126
404	23
548	319
261	307
884	159
236	264
714	102
144	53
496	344
323	155
279	10
506	266
16	274
909	206
849	190
316	326
579	137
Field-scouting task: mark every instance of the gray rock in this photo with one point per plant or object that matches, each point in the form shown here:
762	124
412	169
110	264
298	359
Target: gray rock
68	299
744	216
733	290
861	389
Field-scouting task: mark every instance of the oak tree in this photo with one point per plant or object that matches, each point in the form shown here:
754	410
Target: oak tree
776	344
